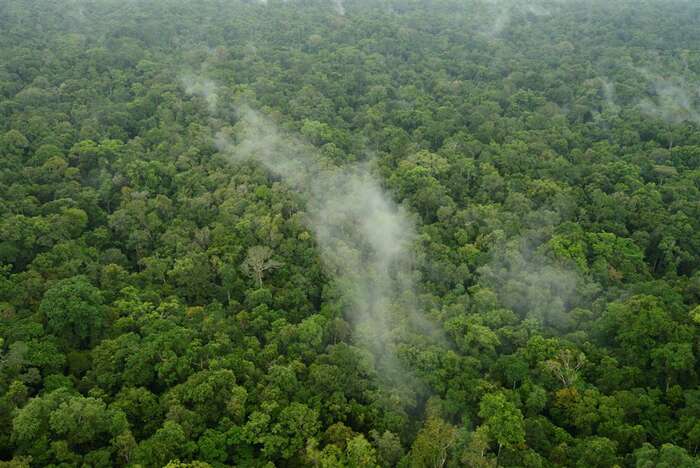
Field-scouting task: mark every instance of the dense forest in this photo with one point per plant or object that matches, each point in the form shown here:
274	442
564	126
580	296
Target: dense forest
370	233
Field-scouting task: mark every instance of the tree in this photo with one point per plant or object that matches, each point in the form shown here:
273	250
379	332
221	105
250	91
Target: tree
596	452
192	464
475	453
502	420
296	424
13	143
666	456
205	398
431	447
74	312
141	409
168	443
61	424
360	453
258	261
389	448
565	366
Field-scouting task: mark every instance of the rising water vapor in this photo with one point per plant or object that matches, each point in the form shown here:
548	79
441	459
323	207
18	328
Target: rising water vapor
534	286
673	100
497	16
364	238
339	7
201	87
609	94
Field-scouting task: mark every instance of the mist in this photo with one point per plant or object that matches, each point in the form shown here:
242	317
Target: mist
364	238
201	87
497	16
673	99
526	282
339	7
609	95
530	281
669	98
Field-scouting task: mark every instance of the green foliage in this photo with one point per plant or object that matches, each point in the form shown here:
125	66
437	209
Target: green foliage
164	303
61	426
668	455
432	444
73	311
502	419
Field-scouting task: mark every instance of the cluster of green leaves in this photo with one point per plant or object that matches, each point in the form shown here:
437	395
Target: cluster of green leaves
160	305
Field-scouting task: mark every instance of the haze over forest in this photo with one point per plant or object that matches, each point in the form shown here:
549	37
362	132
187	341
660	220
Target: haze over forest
350	233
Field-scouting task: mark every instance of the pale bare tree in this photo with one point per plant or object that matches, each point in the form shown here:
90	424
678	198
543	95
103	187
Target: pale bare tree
565	366
258	261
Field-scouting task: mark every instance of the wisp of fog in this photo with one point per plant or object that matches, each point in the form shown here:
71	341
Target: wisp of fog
364	238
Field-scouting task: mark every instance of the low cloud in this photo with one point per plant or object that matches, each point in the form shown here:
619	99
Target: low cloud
366	240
